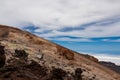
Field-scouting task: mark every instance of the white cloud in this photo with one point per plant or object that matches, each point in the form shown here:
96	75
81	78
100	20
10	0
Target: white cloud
106	57
58	14
108	40
71	39
91	31
109	58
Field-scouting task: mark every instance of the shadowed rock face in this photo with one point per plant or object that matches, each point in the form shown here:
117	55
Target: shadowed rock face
2	56
24	56
31	70
21	54
57	74
78	73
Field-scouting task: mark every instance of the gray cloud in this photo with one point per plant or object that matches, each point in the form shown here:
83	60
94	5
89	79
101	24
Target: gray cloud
49	15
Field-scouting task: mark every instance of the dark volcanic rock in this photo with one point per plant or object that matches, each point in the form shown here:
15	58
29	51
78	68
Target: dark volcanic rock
111	65
57	74
2	56
21	54
78	73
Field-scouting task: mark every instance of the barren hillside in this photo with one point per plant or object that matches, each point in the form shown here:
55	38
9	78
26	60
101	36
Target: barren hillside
24	56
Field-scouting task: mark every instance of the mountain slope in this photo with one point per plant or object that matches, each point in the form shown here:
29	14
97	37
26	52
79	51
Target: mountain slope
24	56
111	66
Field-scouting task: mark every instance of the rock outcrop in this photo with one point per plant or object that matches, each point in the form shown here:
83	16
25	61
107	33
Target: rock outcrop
91	57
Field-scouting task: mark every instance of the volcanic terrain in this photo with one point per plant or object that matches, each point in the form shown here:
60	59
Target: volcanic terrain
25	56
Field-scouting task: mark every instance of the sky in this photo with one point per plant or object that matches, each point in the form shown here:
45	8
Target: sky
86	26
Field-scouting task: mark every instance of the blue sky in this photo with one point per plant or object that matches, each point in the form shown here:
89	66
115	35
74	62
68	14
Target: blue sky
111	48
86	26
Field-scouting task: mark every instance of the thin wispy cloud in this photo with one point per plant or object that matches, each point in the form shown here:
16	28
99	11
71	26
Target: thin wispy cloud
109	40
48	18
71	39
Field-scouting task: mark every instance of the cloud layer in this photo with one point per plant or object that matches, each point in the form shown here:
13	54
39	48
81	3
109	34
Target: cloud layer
106	57
48	18
109	58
